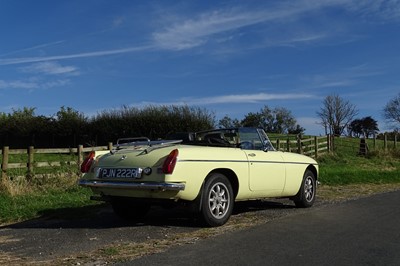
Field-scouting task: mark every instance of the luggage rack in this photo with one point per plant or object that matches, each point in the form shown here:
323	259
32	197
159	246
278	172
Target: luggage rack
126	143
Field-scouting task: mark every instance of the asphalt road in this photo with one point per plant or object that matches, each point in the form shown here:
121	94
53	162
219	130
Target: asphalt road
359	232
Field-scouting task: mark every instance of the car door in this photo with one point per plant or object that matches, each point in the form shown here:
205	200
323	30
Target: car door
267	170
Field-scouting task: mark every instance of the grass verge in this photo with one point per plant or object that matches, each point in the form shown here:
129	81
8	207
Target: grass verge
44	203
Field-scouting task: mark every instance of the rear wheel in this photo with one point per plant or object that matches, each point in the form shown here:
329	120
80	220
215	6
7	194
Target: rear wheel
217	201
306	196
129	209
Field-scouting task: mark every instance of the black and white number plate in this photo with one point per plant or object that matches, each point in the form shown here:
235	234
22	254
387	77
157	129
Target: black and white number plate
120	173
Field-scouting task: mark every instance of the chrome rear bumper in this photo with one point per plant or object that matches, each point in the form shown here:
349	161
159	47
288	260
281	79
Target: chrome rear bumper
132	185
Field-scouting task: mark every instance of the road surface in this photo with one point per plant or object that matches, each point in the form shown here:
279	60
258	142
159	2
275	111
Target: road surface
358	232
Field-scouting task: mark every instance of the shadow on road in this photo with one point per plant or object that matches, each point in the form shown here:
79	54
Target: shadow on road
102	217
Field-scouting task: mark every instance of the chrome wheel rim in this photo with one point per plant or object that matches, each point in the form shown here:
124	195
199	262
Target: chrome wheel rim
218	200
309	188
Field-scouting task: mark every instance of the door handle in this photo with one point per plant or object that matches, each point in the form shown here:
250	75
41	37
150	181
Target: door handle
252	154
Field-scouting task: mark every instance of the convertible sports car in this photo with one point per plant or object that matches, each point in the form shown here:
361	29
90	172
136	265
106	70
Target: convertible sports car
207	170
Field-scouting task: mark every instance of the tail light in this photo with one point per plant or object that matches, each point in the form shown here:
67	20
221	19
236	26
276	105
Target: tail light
170	162
87	163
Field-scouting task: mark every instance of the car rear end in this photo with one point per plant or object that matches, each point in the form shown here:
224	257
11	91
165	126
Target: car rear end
137	172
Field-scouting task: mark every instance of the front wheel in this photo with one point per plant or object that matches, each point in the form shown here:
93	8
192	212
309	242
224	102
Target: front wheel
306	196
217	201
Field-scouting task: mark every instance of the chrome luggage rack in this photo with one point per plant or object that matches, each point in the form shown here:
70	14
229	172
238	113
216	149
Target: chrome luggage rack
126	143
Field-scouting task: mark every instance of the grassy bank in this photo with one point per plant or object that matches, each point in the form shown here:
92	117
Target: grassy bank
45	203
41	195
378	167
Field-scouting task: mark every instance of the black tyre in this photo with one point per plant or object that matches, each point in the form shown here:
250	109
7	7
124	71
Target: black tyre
217	200
306	196
129	209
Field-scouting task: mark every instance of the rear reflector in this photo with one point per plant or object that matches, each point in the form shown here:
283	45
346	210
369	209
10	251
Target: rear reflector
87	163
170	162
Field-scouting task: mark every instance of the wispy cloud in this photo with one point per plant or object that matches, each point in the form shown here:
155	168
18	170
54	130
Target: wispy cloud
343	78
14	61
223	25
32	84
36	47
386	10
18	84
199	30
50	68
236	98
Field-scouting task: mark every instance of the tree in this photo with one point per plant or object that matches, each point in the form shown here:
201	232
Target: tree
278	120
336	113
391	112
253	120
355	128
366	127
70	122
227	122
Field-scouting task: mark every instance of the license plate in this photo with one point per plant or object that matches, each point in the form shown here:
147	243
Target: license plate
120	172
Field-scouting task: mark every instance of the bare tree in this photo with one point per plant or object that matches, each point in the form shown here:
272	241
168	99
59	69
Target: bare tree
391	112
335	114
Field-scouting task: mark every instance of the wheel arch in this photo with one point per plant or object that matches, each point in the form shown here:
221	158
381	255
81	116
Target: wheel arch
314	170
232	178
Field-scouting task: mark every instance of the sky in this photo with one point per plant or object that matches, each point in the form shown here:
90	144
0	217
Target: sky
229	57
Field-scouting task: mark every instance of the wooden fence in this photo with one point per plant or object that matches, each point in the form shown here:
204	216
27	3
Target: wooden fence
30	164
313	146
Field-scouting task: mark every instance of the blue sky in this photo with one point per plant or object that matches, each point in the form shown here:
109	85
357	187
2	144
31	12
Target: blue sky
230	57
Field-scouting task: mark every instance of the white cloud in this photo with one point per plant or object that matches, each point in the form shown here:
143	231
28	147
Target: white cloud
386	10
345	77
228	99
41	46
14	61
218	25
18	84
247	98
50	68
200	29
32	84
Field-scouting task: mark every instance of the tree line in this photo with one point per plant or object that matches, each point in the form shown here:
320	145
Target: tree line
69	127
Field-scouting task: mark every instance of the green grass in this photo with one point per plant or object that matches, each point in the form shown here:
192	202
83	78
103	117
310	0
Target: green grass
345	167
69	203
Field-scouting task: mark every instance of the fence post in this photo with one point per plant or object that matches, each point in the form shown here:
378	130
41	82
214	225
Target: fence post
316	146
4	162
80	156
31	158
288	145
110	146
278	144
328	143
299	147
395	141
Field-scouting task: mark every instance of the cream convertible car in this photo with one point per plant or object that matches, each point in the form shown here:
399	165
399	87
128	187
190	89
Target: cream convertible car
208	170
